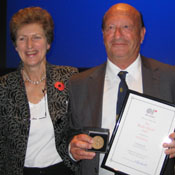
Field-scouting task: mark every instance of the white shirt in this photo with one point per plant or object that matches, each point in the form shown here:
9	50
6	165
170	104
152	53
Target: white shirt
41	149
111	84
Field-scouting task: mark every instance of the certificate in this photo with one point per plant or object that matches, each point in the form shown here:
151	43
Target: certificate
143	126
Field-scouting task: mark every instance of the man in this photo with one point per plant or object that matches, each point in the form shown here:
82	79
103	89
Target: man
94	92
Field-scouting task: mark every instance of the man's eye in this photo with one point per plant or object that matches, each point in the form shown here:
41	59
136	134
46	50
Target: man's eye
111	27
126	26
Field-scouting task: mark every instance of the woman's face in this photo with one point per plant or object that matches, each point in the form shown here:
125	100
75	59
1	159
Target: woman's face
31	44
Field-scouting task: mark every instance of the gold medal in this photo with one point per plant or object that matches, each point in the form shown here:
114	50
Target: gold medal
98	142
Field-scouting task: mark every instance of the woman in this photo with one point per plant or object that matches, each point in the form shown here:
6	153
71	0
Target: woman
34	102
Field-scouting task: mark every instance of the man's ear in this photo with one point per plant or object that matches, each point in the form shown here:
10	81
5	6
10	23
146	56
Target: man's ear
142	34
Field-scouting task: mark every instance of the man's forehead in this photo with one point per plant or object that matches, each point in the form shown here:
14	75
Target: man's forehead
122	9
121	15
130	13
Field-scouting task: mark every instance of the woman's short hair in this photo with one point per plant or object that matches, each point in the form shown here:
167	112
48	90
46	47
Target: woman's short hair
31	15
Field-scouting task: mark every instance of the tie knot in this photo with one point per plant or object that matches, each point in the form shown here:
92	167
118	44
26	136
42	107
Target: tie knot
122	75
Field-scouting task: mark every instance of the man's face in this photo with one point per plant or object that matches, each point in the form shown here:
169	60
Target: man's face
122	36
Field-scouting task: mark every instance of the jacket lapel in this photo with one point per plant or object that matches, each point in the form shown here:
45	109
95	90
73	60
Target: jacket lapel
96	86
53	94
150	78
57	99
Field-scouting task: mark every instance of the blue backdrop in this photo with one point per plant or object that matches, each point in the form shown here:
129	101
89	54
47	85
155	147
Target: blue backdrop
78	38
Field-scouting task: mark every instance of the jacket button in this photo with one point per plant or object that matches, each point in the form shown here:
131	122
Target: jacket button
96	170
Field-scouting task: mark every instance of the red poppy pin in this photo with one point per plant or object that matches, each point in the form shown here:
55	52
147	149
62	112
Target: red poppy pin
59	85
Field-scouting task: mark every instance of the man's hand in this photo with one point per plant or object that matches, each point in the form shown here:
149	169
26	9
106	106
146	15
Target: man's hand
170	146
79	145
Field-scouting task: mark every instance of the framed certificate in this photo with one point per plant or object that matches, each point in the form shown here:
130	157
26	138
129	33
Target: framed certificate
144	124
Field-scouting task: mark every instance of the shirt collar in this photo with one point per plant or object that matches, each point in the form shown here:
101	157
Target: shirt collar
112	70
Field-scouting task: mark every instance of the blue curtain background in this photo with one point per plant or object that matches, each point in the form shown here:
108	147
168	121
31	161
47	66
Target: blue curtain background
78	38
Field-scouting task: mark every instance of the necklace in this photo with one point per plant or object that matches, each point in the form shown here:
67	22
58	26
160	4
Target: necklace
34	82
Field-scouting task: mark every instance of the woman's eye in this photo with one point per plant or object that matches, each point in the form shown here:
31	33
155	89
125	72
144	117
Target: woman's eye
36	37
21	38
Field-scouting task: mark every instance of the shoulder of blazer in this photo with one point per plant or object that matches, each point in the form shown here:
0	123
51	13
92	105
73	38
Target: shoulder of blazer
12	81
155	65
94	72
56	73
62	70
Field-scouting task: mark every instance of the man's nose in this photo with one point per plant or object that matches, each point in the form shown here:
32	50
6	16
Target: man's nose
118	32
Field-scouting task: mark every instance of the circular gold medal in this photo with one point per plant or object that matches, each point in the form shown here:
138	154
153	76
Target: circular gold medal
98	142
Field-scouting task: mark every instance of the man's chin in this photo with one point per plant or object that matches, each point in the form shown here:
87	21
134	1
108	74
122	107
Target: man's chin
119	54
